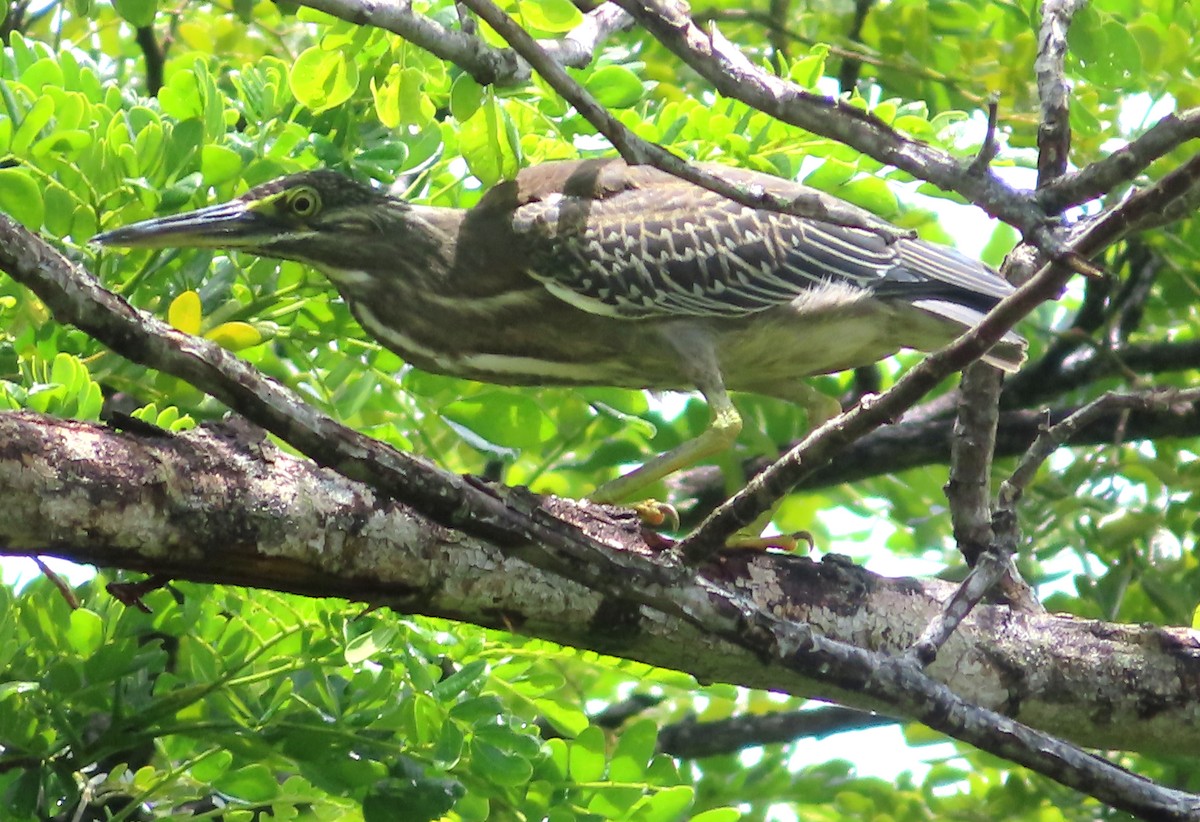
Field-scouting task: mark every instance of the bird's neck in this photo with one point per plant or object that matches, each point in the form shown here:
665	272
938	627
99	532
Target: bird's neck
410	253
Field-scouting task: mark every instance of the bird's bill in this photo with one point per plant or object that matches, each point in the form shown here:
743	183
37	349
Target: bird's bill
228	225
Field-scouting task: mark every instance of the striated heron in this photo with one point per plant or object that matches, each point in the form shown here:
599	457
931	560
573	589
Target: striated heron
598	273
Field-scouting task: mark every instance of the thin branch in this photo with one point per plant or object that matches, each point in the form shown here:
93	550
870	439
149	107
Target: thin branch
1055	436
636	151
1123	165
848	73
696	740
819	447
990	146
1098	364
152	51
734	75
1054	127
988	569
858	53
909	445
486	64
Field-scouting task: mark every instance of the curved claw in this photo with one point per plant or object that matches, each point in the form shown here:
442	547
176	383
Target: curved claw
660	516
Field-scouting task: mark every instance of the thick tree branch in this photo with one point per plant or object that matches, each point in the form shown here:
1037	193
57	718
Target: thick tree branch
1099	364
905	446
536	531
1054	127
974	441
216	505
695	740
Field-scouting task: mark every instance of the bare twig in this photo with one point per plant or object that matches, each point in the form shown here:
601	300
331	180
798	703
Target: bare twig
1122	165
64	588
989	568
990	146
636	151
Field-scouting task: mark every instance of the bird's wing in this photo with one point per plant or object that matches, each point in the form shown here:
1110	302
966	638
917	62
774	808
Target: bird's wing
636	242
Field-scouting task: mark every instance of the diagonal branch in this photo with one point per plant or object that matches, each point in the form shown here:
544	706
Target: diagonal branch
1122	165
819	447
523	528
486	64
637	151
732	74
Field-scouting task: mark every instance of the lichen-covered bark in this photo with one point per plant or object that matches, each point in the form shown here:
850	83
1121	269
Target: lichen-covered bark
222	505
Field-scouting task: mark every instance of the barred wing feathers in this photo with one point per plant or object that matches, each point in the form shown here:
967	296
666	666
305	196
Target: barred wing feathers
635	242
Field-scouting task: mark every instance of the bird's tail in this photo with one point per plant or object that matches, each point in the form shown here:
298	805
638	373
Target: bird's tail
1007	355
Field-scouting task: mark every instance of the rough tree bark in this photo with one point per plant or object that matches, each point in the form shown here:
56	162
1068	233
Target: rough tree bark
223	505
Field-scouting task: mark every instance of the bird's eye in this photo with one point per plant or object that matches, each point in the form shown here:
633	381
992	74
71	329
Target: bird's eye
304	202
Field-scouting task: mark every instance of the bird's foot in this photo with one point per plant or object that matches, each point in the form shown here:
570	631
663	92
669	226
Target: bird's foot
742	541
657	515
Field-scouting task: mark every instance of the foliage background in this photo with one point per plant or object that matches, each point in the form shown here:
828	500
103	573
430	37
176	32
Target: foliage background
310	708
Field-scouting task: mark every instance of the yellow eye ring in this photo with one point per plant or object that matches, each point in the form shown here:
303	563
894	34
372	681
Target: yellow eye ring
304	201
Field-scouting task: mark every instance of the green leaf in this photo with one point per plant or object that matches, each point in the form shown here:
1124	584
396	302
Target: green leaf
615	87
253	783
322	79
634	749
503	418
139	13
500	766
219	164
460	680
718	815
212	766
36	119
567	719
21	198
871	193
585	756
667	805
551	16
180	98
487	144
86	631
466	96
421	798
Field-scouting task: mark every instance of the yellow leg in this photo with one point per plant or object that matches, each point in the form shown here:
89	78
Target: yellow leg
720	435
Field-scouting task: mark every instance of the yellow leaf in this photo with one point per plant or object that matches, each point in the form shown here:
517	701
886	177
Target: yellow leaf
235	336
184	312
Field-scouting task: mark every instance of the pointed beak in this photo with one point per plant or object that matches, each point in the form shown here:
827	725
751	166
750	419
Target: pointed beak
228	225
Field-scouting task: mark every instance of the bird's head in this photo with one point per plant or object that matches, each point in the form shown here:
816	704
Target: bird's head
318	217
